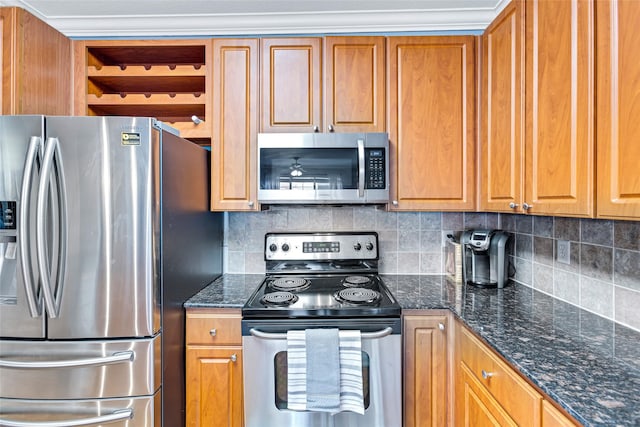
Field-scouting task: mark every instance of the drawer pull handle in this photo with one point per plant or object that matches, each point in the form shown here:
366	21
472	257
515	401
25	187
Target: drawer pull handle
486	375
233	358
213	332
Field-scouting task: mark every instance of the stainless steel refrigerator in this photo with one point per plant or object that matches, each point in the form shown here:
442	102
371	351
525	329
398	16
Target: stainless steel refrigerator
105	231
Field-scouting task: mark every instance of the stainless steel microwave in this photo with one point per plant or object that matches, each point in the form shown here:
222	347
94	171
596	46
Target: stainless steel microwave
316	168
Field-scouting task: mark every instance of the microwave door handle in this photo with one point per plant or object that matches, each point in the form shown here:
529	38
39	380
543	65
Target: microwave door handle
361	168
115	416
41	235
26	264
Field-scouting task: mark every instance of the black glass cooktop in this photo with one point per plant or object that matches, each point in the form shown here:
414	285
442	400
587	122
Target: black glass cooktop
321	295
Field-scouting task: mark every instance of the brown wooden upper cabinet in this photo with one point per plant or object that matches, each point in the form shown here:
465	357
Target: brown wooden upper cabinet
297	98
502	112
291	96
432	126
235	124
544	163
559	136
618	110
35	66
354	84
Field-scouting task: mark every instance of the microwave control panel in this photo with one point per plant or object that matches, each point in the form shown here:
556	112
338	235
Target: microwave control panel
375	175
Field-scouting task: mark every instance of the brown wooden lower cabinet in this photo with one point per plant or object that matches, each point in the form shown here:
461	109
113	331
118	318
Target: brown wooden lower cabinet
214	368
425	369
451	378
489	392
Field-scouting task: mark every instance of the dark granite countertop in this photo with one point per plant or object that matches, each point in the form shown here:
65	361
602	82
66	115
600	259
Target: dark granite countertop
587	364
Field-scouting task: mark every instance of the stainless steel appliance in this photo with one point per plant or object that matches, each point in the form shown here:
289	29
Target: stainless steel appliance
313	168
484	258
106	232
321	280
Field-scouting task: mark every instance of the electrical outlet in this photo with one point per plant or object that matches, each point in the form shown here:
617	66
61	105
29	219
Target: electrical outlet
564	252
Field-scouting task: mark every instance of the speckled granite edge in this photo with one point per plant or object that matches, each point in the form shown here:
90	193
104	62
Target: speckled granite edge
587	364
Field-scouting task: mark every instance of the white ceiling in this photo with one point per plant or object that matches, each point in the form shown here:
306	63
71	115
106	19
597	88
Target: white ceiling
155	18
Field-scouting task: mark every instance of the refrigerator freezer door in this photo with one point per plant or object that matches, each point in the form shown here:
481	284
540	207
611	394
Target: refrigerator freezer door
19	279
137	412
109	169
79	369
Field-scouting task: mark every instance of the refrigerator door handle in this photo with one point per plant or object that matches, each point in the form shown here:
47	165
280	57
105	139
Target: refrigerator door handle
51	166
117	357
115	416
33	154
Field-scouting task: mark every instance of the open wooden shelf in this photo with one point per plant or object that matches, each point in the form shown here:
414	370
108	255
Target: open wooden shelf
166	79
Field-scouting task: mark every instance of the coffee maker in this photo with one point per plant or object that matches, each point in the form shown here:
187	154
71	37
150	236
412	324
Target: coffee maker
484	259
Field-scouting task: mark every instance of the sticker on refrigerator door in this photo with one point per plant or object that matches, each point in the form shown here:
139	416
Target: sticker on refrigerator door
130	138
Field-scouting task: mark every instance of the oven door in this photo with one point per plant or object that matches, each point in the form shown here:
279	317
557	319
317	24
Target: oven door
265	374
323	168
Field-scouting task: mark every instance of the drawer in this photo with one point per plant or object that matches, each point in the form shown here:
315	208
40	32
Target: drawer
518	398
214	327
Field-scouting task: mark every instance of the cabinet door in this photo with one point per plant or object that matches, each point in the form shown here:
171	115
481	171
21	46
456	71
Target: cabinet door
432	122
36	66
214	387
235	124
354	84
502	111
560	111
479	408
291	75
552	417
618	86
425	371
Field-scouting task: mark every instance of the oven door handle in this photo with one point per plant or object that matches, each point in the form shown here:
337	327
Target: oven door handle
277	336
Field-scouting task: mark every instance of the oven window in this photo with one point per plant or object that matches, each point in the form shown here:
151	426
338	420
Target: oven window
308	169
280	372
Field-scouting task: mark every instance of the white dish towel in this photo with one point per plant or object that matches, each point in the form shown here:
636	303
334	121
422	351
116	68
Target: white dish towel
347	371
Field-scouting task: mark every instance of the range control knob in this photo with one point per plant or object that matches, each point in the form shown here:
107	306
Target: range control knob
369	246
273	247
285	247
357	246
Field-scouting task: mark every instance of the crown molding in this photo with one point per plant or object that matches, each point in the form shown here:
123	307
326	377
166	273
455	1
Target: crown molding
286	23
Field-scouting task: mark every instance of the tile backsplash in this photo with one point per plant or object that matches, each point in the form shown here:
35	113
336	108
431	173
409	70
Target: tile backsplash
602	274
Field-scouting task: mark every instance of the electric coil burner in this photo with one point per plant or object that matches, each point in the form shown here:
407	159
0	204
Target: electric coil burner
290	284
357	296
279	298
315	281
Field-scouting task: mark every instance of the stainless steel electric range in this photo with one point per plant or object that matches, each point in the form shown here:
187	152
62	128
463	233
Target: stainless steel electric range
321	280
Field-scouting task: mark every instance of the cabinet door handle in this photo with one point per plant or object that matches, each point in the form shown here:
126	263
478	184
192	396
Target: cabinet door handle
213	332
331	129
441	326
513	205
233	358
316	129
251	203
394	203
526	206
196	120
486	375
